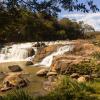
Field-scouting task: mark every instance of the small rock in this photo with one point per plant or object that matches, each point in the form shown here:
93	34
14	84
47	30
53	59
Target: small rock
87	77
94	76
51	73
4	89
15	68
2	75
29	63
52	78
74	75
81	79
49	86
42	72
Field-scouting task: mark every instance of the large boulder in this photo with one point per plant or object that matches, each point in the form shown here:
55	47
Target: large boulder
13	80
43	52
64	64
42	72
15	68
31	52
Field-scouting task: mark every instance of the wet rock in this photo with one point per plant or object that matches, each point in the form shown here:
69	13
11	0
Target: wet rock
15	68
29	63
51	73
81	79
74	75
31	52
40	44
42	72
44	52
88	77
2	75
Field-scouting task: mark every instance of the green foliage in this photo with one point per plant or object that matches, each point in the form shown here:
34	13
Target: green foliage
70	90
33	20
84	68
51	7
96	55
28	26
17	95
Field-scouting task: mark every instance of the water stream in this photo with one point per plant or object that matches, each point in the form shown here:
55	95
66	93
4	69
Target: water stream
47	61
16	52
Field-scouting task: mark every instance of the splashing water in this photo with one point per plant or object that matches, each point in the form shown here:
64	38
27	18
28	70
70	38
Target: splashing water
15	52
47	61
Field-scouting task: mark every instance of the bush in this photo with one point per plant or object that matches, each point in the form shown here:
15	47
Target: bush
83	68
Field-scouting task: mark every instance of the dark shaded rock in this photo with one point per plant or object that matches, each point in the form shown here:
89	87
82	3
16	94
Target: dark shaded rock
74	75
88	77
29	63
15	68
31	52
4	89
40	44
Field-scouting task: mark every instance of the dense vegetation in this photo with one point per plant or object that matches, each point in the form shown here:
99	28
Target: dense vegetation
25	20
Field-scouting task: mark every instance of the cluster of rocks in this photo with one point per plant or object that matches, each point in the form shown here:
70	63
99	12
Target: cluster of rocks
51	79
81	78
14	79
40	44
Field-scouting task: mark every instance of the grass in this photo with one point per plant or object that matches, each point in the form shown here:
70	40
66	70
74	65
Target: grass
67	89
96	55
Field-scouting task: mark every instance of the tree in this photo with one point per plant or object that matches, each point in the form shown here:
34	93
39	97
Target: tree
52	7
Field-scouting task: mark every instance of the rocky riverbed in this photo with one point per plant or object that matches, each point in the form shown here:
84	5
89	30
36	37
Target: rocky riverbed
41	69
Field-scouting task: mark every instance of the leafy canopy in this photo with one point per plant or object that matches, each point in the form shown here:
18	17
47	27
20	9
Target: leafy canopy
52	7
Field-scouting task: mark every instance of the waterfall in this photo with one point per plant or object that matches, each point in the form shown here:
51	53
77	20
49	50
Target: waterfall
16	52
47	61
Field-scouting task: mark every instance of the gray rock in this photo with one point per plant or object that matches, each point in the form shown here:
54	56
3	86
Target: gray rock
29	63
15	68
74	75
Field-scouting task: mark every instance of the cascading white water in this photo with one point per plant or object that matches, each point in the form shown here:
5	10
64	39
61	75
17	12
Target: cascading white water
47	61
15	52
